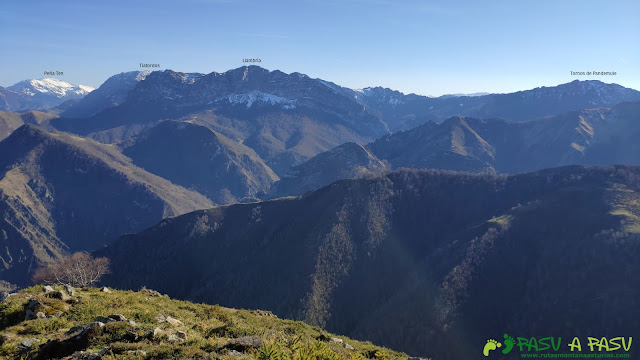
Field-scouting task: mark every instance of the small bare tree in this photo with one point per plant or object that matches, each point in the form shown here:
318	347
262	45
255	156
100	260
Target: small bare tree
78	270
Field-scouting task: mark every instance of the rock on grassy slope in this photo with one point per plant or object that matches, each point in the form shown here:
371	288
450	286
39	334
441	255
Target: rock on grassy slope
43	323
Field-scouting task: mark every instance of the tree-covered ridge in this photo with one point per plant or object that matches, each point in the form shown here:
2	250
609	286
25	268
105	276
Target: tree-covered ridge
392	258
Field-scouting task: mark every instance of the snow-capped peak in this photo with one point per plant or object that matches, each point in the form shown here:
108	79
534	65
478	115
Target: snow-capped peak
52	87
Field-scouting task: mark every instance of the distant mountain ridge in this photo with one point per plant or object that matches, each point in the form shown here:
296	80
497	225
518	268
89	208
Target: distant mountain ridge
111	93
403	112
40	94
470	94
288	118
56	87
590	137
285	118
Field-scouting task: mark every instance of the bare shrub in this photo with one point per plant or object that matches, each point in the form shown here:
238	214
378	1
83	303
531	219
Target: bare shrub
78	270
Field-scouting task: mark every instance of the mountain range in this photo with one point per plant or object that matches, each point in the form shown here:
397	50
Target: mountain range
402	219
404	112
422	261
284	118
111	93
233	137
289	118
589	137
60	193
40	94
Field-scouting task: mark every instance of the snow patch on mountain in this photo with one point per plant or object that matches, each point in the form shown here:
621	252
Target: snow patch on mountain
86	88
257	97
141	75
189	78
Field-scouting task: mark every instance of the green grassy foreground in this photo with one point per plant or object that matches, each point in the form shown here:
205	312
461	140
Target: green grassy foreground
156	327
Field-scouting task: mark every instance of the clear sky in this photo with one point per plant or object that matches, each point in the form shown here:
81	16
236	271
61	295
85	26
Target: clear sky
424	47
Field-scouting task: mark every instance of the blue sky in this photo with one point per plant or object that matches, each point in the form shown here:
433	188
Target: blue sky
424	47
